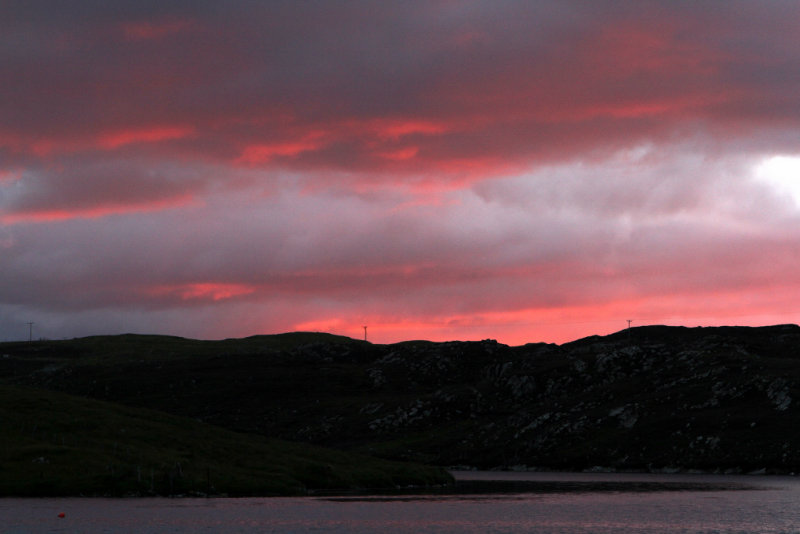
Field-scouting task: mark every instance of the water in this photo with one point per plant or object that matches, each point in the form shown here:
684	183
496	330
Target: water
527	502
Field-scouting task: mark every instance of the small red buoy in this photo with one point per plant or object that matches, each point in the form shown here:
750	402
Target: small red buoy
62	515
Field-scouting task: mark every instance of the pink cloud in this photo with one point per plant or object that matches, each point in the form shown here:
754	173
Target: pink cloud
401	154
394	128
95	188
264	153
203	291
47	147
93	212
146	135
618	70
443	170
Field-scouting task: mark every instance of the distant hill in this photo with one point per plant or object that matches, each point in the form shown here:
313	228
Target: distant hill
648	398
56	444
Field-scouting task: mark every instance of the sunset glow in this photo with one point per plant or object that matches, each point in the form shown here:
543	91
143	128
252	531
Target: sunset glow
203	291
525	172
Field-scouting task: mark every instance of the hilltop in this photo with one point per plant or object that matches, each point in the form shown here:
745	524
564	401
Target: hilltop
653	398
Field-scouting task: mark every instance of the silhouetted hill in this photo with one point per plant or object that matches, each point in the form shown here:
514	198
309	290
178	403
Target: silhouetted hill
656	397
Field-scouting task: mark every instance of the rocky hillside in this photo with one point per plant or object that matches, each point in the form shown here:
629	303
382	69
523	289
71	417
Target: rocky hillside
648	398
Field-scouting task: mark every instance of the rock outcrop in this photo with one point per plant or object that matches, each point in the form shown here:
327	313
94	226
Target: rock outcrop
649	398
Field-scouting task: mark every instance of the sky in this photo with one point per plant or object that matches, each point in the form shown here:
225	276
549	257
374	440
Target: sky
439	169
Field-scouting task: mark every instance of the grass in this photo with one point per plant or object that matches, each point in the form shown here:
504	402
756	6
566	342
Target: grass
699	398
56	445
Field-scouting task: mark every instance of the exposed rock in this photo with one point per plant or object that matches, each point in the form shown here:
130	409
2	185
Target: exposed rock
653	398
778	393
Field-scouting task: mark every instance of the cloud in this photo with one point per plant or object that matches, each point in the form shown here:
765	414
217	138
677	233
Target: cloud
430	168
541	82
93	188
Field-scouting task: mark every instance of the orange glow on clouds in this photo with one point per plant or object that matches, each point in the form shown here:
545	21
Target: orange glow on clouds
375	136
144	135
395	128
266	152
208	291
514	327
401	154
105	140
427	170
562	324
94	212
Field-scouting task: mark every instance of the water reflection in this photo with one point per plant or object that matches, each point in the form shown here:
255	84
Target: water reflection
545	503
503	485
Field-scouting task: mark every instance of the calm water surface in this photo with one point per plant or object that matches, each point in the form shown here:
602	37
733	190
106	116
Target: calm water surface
524	502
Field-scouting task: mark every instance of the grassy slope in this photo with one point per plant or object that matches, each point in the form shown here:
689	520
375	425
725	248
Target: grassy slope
698	398
56	444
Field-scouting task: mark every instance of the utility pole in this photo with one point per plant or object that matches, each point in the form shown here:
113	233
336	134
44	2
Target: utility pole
365	333
629	323
30	332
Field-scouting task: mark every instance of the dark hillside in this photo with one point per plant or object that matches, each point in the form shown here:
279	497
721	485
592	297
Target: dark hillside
646	398
56	444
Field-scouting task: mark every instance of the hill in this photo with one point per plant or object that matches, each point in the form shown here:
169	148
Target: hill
57	444
648	398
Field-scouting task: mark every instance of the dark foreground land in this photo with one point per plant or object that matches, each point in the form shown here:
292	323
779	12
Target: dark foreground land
55	444
650	398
